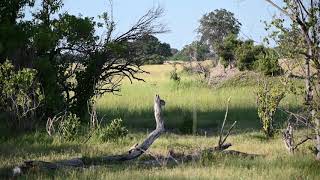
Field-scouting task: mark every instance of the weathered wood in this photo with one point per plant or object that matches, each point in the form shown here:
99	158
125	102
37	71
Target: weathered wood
141	148
132	153
288	138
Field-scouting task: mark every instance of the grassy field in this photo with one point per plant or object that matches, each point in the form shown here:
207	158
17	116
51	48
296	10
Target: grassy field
134	106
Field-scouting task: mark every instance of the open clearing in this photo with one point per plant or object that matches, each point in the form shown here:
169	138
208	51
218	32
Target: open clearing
134	106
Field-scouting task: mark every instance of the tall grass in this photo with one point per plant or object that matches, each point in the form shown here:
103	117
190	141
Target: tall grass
134	105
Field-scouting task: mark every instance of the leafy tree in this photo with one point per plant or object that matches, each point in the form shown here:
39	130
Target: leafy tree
216	26
14	34
174	51
267	62
154	51
226	50
246	55
194	51
10	10
304	16
73	63
289	40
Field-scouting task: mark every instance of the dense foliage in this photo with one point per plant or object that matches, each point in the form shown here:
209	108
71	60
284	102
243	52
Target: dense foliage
196	51
21	95
69	127
73	62
226	50
267	62
247	53
269	98
216	26
114	131
248	56
153	50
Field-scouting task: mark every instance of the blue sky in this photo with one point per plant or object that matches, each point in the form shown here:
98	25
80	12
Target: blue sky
181	16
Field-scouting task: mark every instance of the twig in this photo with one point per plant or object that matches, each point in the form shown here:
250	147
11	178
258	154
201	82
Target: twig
301	142
224	121
229	131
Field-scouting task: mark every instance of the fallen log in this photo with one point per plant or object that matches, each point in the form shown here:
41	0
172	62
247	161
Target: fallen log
176	158
133	153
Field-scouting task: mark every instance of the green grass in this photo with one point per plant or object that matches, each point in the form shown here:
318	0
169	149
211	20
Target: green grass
275	164
134	106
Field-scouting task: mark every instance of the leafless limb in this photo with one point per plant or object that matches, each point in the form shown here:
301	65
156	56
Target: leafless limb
52	121
222	140
147	24
133	153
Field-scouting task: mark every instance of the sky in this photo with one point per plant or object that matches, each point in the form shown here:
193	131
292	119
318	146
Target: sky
181	16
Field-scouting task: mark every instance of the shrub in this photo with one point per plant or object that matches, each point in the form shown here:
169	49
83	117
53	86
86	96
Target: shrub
174	75
20	95
180	56
267	63
268	100
54	102
69	127
245	55
113	132
154	59
226	51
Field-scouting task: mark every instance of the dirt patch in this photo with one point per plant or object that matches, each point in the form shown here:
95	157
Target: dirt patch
220	74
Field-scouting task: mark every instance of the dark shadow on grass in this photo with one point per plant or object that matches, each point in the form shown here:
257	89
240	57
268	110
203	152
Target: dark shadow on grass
210	121
31	152
37	150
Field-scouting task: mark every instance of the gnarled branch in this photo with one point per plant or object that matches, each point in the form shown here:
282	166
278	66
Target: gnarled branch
133	153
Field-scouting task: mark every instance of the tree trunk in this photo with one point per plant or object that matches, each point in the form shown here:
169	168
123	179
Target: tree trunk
309	96
316	114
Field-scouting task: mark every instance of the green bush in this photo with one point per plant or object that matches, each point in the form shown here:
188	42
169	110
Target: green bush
268	100
246	55
20	95
196	49
113	132
174	75
267	63
226	51
180	56
154	59
53	102
69	127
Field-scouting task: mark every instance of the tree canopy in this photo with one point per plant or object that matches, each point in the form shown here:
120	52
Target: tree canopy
73	63
154	51
216	26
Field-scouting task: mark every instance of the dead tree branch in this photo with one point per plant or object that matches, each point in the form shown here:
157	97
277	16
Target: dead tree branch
134	153
221	146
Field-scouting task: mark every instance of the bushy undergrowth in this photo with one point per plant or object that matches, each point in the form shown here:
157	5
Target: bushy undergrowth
69	127
20	97
112	132
269	98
